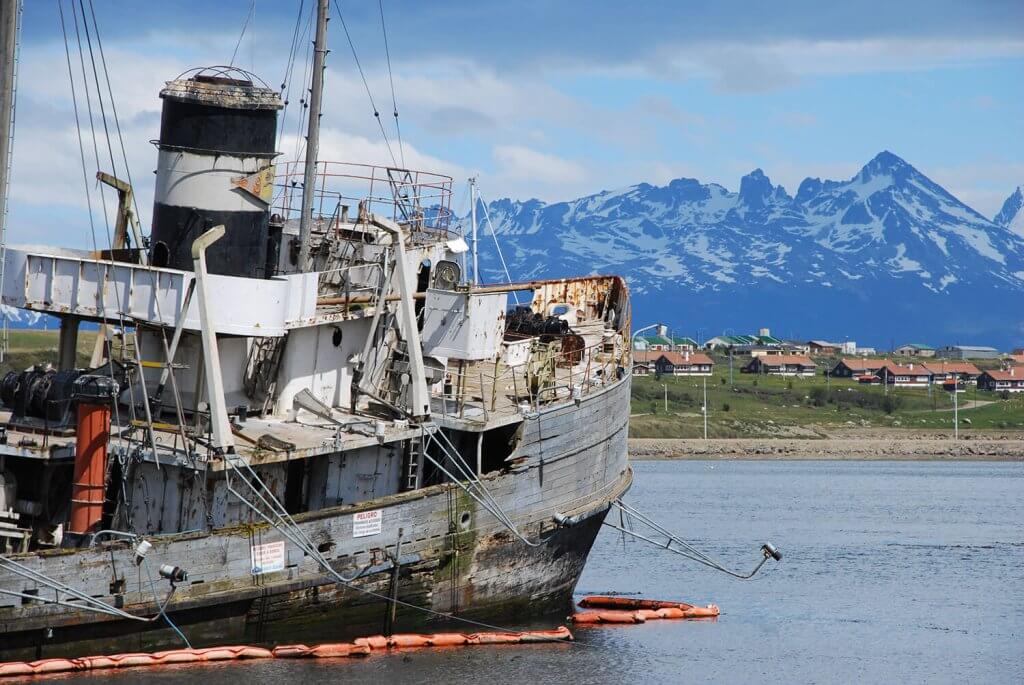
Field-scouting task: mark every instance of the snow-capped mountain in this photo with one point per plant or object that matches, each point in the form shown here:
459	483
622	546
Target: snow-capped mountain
1012	213
887	255
23	318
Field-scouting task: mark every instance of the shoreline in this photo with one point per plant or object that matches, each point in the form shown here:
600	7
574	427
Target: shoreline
989	447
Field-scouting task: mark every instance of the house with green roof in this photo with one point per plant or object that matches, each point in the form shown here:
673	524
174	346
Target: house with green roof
665	343
914	350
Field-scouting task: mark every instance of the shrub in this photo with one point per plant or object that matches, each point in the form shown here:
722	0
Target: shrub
891	403
725	406
819	396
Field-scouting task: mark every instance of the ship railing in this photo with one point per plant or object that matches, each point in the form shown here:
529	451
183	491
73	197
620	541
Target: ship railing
476	390
344	192
361	285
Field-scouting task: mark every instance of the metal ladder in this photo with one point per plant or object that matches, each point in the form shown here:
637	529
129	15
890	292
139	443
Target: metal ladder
413	461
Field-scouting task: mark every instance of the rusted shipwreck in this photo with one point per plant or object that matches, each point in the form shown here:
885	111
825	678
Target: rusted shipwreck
299	411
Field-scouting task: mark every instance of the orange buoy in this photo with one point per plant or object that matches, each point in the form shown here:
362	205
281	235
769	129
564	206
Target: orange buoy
629	603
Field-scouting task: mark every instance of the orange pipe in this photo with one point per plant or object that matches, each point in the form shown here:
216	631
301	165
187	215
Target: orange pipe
89	483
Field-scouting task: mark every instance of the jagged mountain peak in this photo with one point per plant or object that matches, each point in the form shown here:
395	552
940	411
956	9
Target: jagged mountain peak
1011	216
886	162
757	191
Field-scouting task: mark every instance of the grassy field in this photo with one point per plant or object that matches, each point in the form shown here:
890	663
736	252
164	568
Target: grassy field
762	406
28	347
751	406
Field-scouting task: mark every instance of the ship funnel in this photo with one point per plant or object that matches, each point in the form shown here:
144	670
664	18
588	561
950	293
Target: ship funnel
215	166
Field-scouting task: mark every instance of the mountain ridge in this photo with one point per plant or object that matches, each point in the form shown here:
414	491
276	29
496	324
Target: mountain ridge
888	234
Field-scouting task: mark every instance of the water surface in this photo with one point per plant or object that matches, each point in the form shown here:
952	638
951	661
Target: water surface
893	572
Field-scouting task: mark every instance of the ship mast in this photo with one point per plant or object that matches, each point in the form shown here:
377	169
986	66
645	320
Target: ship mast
9	13
313	130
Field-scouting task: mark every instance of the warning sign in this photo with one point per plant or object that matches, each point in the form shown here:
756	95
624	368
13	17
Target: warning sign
367	523
267	558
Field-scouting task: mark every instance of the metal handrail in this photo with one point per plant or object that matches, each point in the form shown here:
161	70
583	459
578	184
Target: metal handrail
418	200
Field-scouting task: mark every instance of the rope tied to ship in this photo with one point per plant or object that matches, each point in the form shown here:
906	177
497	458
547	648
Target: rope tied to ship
675	544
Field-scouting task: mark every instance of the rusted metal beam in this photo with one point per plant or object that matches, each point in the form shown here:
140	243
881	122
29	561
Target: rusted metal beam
478	290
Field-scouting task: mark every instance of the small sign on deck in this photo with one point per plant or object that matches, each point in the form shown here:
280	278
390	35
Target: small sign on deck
366	523
267	558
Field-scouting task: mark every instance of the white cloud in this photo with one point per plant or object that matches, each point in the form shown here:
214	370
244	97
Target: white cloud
758	67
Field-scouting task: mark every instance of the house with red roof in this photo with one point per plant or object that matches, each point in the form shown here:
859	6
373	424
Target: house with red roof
684	364
781	365
1010	380
904	376
643	362
855	367
945	370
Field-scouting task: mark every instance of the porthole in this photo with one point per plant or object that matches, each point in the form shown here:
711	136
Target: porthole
464	519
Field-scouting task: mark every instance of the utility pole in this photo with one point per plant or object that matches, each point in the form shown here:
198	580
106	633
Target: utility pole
323	10
472	215
665	386
11	12
956	413
705	407
730	366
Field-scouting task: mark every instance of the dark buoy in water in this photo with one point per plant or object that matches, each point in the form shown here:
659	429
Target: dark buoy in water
218	132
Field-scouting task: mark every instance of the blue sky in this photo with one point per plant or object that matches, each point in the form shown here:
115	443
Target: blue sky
559	99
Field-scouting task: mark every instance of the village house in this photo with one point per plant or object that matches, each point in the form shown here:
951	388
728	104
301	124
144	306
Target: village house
1010	380
684	364
745	343
909	376
943	370
824	348
855	367
914	350
665	343
643	362
781	365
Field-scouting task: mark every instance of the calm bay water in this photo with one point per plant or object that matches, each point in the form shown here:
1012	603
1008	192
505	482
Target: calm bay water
893	572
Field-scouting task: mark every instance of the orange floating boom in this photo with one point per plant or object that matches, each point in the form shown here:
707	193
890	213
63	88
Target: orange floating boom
629	603
644	615
359	647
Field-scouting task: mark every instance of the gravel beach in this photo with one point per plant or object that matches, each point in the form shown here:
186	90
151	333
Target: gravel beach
870	444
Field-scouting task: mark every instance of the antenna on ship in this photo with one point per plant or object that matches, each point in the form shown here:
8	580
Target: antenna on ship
10	12
313	130
472	214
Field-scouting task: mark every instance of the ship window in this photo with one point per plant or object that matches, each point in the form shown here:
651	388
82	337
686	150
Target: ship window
464	519
336	337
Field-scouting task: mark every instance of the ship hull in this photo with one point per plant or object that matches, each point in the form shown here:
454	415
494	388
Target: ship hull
455	560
